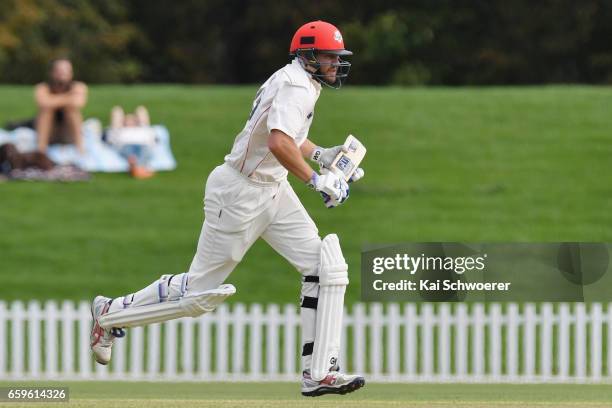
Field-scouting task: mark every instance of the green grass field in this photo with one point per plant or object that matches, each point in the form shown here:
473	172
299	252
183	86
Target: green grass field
465	164
136	395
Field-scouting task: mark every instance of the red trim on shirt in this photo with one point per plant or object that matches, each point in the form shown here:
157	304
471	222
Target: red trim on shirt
261	161
250	135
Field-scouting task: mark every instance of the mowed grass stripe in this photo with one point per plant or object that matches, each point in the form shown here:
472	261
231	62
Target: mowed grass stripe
501	394
323	402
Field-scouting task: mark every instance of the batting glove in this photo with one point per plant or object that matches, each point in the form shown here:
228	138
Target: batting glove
333	189
325	156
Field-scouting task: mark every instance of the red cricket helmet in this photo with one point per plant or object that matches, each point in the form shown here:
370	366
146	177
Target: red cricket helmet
320	37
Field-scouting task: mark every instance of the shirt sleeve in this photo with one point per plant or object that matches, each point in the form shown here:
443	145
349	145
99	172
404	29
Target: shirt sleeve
288	110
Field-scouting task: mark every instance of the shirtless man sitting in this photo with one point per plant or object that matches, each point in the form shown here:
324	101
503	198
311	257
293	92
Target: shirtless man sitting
60	100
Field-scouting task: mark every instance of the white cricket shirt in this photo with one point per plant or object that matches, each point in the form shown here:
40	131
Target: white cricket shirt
285	102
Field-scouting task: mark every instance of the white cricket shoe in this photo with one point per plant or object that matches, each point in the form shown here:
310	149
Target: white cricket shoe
334	383
102	339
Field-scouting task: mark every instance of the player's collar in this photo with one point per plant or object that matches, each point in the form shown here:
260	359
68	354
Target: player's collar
296	62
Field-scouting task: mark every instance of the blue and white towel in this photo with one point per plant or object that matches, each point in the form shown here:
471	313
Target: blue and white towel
99	156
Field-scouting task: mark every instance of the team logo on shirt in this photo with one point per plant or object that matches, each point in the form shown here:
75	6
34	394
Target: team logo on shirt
338	36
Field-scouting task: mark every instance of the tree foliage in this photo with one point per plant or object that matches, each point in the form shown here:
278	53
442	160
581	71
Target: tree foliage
239	41
96	35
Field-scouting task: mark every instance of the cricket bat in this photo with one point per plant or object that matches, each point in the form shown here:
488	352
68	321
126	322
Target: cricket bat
345	164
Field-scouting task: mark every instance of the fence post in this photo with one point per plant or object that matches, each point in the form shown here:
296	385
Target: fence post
17	349
394	354
609	345
204	343
495	349
221	362
291	321
564	337
444	339
255	348
187	347
461	342
478	346
410	343
546	343
67	320
153	360
34	340
119	357
3	340
272	344
512	339
238	340
359	348
596	341
51	352
580	341
136	352
529	349
84	328
170	349
376	346
427	350
609	348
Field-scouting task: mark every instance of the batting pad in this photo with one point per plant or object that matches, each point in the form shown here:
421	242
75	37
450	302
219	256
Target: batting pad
333	279
187	306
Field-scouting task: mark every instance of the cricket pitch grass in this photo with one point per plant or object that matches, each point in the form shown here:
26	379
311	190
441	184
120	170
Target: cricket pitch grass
255	395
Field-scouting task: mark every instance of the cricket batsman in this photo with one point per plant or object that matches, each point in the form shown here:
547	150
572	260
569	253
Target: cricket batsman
248	197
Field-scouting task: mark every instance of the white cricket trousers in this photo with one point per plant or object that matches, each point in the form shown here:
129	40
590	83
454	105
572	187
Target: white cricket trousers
238	211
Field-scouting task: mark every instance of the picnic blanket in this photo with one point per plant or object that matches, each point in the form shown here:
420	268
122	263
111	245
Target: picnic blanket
99	156
65	173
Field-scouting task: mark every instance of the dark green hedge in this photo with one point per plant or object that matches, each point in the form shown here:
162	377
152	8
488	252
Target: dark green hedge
236	41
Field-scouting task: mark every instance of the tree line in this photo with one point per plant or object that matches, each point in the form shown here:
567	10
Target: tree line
419	42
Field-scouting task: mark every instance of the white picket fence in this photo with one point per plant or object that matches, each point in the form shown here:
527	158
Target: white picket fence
394	342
